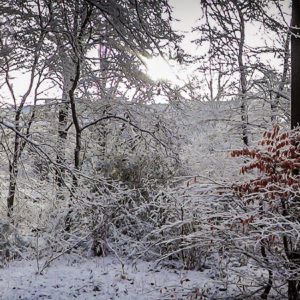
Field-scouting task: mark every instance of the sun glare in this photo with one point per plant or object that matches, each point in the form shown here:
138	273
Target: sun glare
159	69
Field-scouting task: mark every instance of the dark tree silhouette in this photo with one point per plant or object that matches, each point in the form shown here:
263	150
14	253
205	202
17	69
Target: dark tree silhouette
295	61
293	285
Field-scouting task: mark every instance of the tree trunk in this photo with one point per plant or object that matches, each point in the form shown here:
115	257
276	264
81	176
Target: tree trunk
77	150
13	167
295	64
62	139
283	81
268	286
288	246
243	78
68	68
293	292
13	174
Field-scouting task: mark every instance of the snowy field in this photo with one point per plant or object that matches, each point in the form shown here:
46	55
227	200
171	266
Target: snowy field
104	278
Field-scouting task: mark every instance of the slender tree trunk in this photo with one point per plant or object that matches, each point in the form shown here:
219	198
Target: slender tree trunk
19	146
293	285
268	287
77	60
63	113
77	150
62	138
243	78
13	166
13	174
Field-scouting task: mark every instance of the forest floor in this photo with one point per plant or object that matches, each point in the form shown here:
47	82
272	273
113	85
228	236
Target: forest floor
104	278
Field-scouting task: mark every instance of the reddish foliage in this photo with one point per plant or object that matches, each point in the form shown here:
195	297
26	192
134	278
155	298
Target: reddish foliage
277	159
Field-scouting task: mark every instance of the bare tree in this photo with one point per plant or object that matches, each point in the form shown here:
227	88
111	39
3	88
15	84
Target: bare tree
15	51
225	31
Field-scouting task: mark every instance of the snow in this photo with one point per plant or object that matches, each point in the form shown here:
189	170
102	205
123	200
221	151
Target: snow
99	278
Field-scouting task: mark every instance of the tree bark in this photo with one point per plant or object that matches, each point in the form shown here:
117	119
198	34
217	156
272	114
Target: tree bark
13	174
293	285
295	64
243	78
283	81
62	137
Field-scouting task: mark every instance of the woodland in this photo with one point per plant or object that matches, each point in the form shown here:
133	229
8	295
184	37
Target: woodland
99	160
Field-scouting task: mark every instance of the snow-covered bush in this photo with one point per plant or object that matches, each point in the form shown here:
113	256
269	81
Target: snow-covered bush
270	200
247	233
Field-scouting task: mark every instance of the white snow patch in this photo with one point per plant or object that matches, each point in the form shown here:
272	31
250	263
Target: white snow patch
99	278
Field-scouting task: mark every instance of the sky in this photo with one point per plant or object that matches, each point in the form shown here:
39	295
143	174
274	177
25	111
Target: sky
185	15
187	12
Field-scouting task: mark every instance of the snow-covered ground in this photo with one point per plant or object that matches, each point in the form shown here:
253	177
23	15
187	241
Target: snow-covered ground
103	278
